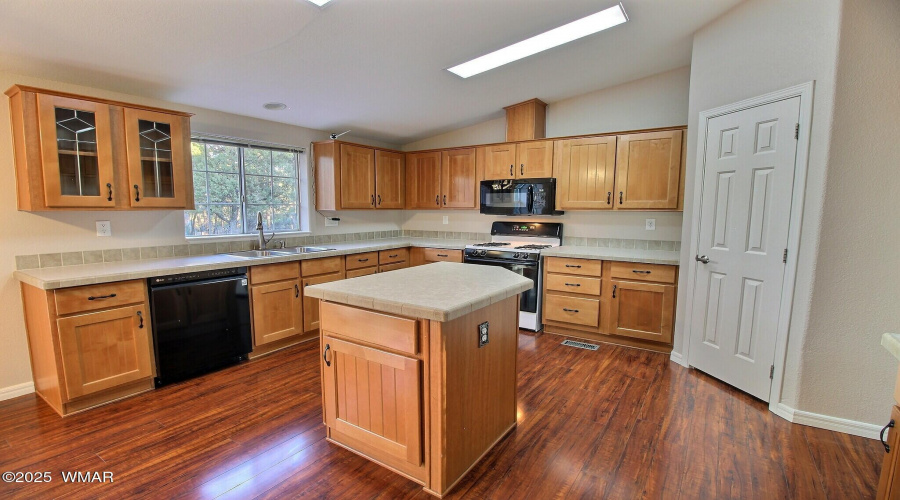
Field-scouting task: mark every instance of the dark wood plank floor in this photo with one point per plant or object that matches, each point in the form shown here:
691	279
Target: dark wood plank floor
615	423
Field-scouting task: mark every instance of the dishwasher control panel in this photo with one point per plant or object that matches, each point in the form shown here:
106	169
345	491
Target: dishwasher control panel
198	276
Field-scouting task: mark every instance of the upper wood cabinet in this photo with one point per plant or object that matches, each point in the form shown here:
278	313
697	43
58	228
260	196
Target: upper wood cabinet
648	170
534	159
526	121
423	180
351	176
75	152
500	161
458	178
585	173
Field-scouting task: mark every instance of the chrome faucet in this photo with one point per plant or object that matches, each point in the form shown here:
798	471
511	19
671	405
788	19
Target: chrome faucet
263	241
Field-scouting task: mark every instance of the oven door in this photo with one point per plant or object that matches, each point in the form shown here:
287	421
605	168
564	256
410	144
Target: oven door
528	300
506	197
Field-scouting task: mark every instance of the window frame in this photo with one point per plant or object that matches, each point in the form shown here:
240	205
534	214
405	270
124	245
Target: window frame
248	226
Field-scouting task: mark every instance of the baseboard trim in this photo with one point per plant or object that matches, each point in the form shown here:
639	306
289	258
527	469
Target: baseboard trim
678	358
827	422
15	391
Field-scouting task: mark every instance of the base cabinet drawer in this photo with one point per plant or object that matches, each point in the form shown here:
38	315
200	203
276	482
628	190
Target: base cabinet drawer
573	284
642	310
390	267
361	260
103	296
315	267
442	255
643	272
311	304
365	271
574	310
383	330
392	256
581	267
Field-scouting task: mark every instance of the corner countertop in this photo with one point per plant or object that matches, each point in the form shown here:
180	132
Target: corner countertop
617	254
441	291
891	342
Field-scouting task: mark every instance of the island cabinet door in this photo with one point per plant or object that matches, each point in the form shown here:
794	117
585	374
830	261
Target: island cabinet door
374	397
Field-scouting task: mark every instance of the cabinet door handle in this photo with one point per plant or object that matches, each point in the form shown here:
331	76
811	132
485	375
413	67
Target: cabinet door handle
325	355
573	284
109	196
614	290
511	167
522	169
638	271
621	193
296	291
445	200
379	200
102	297
141	318
137	193
573	265
437	200
373	200
609	197
570	310
890	425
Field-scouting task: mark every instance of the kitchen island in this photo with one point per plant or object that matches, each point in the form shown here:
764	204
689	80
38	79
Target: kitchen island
419	366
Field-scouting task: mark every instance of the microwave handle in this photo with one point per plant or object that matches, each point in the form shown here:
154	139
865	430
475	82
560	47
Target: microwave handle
530	208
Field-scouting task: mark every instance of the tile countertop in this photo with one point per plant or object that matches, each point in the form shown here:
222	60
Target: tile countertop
51	278
891	342
441	291
616	254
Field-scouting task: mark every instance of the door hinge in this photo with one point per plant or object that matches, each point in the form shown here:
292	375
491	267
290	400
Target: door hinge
784	257
797	131
772	372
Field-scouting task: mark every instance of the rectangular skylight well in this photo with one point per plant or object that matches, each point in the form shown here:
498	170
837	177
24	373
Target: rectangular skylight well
566	33
319	2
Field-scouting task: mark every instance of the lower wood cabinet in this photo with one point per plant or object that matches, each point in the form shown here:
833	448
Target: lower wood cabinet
275	302
89	345
310	304
889	483
618	302
419	256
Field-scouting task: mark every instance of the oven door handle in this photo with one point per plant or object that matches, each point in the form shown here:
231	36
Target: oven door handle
502	262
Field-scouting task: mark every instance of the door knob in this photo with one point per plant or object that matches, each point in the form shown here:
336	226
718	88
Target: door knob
702	258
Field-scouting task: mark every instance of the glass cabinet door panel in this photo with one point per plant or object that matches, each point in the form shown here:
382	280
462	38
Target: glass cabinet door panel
156	159
77	161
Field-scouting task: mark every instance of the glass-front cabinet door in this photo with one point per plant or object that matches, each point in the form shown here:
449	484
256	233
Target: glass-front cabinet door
156	159
76	151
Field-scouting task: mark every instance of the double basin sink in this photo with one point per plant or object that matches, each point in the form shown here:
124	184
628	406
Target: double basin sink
252	254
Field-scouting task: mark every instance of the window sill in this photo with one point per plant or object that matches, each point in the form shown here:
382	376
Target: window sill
245	237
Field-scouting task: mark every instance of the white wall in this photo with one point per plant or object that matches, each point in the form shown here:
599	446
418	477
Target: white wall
856	291
656	101
23	233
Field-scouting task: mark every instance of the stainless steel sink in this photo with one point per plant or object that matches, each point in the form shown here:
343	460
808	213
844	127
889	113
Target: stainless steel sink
252	254
298	250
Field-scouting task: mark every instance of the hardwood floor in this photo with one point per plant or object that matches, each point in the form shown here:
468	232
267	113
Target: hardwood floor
614	423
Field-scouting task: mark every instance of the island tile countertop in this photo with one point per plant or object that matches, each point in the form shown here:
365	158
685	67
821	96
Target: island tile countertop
441	291
50	278
891	342
616	254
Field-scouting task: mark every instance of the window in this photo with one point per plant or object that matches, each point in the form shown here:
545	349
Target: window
233	182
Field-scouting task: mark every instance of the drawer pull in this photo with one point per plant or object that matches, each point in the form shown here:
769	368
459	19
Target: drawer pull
890	425
442	255
325	355
614	290
363	260
573	265
638	271
102	297
570	310
573	284
141	318
392	256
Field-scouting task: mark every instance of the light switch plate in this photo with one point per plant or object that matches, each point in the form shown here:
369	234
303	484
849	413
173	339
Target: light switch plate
331	222
104	228
651	224
446	219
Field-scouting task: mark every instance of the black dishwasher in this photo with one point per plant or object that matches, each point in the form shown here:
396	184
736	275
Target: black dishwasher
201	322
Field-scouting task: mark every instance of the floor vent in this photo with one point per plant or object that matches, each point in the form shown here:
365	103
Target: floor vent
581	345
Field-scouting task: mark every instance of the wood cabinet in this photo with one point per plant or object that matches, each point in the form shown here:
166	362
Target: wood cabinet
618	302
318	271
423	180
889	482
648	170
276	303
419	256
524	160
526	120
351	176
389	260
585	173
458	180
76	152
89	345
500	161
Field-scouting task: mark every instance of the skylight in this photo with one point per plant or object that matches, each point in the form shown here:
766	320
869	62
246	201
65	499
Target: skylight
566	33
319	2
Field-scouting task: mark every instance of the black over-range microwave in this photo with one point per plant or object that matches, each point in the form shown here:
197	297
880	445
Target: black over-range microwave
519	197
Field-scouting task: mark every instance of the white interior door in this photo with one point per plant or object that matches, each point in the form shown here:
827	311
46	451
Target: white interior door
745	211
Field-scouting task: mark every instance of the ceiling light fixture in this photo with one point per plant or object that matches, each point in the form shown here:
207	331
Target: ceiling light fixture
319	2
566	33
275	106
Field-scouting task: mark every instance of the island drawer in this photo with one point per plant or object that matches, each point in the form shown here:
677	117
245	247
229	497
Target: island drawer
574	284
585	267
360	260
313	267
274	272
573	310
643	272
93	297
356	273
391	256
392	332
442	255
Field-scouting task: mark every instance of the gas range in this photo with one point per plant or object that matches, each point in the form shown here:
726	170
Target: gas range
517	246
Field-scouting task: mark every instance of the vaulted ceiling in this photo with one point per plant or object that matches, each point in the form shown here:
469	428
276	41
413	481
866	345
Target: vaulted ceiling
374	66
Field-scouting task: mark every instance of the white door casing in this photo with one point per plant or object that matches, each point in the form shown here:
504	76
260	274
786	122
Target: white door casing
745	215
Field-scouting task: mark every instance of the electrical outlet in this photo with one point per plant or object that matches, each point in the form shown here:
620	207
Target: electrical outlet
651	224
483	334
104	228
446	219
331	222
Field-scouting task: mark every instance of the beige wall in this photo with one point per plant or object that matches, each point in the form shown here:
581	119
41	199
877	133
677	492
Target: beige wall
24	233
656	101
856	291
